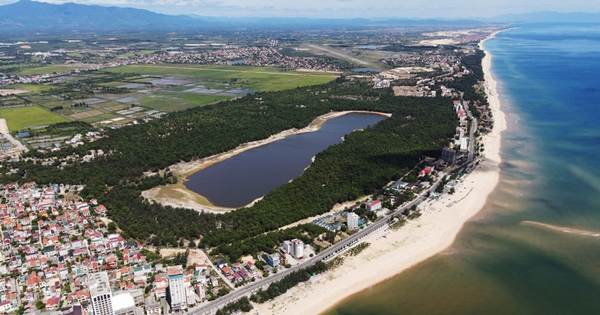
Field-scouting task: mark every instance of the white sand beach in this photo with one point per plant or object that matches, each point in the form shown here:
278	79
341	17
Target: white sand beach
417	241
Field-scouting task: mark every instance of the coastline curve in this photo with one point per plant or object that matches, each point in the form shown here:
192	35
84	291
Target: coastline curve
396	251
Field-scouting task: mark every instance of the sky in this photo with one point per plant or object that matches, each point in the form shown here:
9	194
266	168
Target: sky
455	9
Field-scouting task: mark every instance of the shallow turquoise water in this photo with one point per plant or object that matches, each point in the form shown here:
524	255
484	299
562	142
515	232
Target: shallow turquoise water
549	79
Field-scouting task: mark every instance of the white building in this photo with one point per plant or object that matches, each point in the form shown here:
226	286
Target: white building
273	260
352	220
176	292
287	246
201	291
191	297
373	205
152	306
5	307
100	294
464	145
123	304
297	249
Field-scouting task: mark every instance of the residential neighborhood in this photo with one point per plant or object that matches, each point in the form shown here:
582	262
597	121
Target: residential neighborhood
252	56
58	251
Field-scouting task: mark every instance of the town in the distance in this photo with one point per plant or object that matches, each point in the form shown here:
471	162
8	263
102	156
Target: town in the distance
68	100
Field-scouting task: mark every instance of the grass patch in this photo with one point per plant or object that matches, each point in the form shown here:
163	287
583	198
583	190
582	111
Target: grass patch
255	78
171	103
35	88
46	69
19	117
141	80
300	81
50	103
16	65
113	84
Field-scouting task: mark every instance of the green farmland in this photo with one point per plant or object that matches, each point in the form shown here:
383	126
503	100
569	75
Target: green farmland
177	87
19	117
47	69
169	103
35	88
254	78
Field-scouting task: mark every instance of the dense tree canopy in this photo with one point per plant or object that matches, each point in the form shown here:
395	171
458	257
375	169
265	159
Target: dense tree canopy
467	83
364	162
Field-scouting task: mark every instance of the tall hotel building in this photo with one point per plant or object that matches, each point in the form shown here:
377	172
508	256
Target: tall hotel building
297	248
176	293
100	293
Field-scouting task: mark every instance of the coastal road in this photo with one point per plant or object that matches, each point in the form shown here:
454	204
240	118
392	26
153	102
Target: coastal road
472	138
473	128
332	251
6	133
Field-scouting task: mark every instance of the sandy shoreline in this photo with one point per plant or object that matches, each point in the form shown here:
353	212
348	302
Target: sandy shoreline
179	196
419	240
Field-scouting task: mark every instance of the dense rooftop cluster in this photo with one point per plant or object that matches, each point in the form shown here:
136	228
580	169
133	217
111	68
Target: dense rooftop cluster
425	60
53	247
254	56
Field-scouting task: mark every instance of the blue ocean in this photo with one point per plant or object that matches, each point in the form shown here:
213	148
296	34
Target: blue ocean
535	247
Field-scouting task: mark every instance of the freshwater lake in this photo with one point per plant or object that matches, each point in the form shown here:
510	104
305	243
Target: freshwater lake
249	175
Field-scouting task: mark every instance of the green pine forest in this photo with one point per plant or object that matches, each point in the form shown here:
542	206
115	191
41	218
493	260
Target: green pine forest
363	163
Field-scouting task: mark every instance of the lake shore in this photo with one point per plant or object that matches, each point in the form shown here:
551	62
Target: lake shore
392	252
178	195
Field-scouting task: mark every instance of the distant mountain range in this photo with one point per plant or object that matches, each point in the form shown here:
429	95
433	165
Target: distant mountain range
27	15
31	16
40	16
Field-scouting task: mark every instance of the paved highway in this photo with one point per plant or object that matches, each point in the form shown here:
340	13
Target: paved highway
473	128
212	307
6	133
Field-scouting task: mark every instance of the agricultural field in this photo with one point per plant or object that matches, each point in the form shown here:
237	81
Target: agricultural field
153	89
18	118
47	69
246	77
34	88
177	102
296	82
11	66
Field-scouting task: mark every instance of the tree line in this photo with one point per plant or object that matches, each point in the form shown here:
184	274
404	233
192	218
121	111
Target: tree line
363	163
467	83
